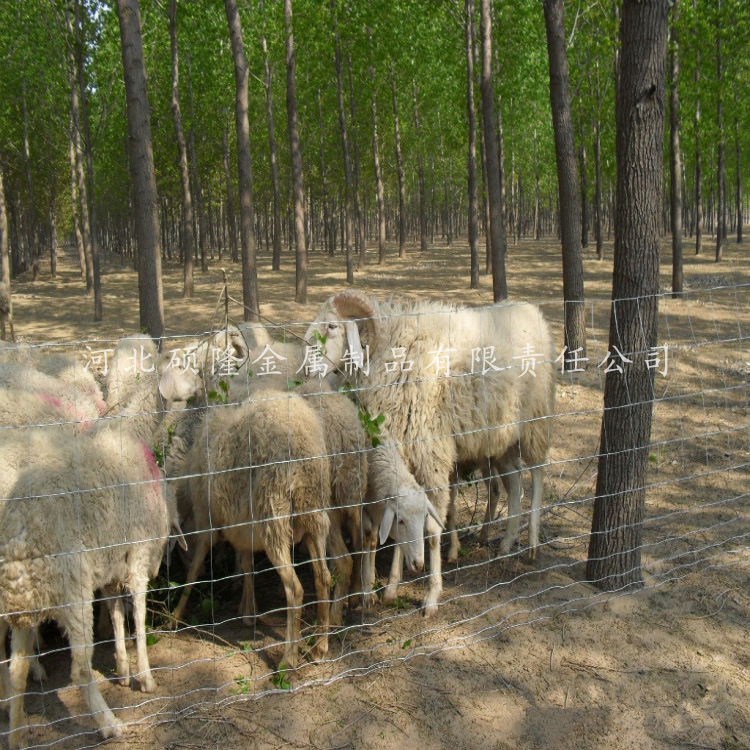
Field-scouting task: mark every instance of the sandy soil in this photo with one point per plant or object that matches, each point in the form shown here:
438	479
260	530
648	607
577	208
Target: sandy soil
520	655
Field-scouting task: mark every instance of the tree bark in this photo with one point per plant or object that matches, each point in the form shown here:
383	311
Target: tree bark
497	224
614	560
675	157
32	242
598	172
347	229
473	228
188	241
231	220
198	214
738	171
244	165
584	191
145	200
298	186
567	177
537	197
698	160
329	241
4	245
400	170
359	208
721	196
275	189
420	175
74	202
379	190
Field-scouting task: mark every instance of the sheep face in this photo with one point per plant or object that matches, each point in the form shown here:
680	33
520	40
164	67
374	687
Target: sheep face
404	521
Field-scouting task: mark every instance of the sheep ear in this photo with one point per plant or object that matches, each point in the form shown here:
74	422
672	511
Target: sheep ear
352	338
386	523
434	514
168	385
177	533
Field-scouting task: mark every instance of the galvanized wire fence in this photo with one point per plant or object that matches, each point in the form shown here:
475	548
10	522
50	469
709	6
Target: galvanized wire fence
69	471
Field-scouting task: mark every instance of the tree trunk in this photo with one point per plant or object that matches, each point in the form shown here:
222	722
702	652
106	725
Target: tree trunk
244	164
145	200
298	187
74	203
359	207
614	560
598	172
567	177
275	189
497	224
420	175
584	191
346	228
738	171
379	190
400	170
198	214
32	243
328	219
698	161
675	157
721	195
537	197
4	245
231	221
472	152
188	241
52	228
88	180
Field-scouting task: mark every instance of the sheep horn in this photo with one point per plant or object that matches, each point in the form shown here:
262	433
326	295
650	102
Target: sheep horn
355	304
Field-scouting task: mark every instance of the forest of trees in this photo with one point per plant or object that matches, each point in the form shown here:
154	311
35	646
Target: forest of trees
359	130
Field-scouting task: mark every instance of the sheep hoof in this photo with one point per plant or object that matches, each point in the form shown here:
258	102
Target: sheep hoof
369	600
248	620
124	680
532	554
335	616
452	555
112	730
17	739
319	650
38	672
391	593
147	684
430	609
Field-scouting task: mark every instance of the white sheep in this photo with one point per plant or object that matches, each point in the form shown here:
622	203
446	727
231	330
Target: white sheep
95	518
262	481
65	367
450	381
6	312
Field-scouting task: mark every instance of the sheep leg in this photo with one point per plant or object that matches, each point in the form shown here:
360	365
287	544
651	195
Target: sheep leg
281	560
397	571
537	486
493	496
436	576
138	587
5	691
21	652
78	621
202	544
455	545
342	566
369	597
247	609
317	550
514	512
117	615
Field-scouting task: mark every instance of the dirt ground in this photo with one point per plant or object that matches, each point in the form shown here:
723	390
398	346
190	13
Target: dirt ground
521	655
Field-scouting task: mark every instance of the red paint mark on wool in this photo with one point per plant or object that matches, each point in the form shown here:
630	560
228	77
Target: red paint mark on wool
52	400
151	461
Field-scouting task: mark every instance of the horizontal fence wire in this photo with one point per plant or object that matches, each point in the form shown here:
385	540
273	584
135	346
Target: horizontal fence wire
84	494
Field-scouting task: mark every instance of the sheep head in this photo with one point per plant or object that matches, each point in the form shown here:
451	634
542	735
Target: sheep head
404	521
337	322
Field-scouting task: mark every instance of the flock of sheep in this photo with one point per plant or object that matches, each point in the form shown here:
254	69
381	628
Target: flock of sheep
346	459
